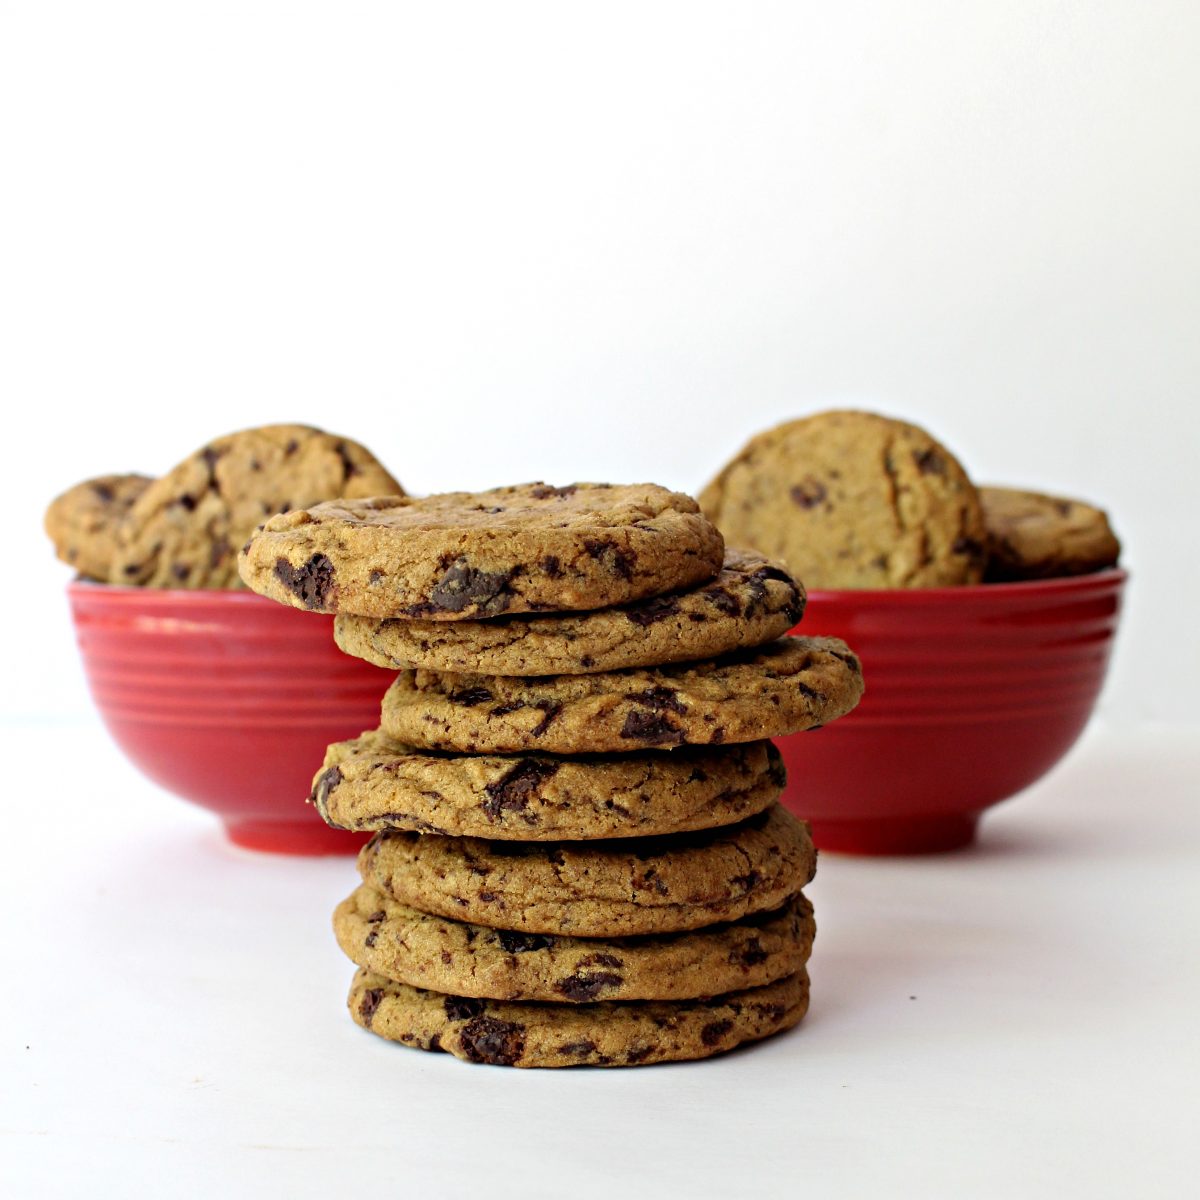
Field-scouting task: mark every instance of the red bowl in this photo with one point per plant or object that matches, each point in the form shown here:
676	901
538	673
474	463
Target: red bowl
228	700
973	693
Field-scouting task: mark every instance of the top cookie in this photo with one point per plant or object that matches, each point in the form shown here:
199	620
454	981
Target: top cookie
185	529
527	548
1031	536
852	500
82	522
750	602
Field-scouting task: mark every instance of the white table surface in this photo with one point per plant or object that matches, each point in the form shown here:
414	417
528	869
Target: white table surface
1016	1020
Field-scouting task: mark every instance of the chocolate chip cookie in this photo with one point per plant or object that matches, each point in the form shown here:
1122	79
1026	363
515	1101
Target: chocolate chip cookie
82	522
598	889
373	783
186	528
852	500
1032	536
787	685
511	1034
750	602
458	556
425	951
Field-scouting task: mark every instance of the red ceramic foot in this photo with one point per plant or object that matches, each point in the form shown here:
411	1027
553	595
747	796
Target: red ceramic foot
294	837
902	835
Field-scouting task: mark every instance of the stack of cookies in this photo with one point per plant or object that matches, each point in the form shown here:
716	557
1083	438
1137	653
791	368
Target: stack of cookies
579	857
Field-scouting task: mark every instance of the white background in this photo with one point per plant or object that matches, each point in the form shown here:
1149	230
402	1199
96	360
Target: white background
562	241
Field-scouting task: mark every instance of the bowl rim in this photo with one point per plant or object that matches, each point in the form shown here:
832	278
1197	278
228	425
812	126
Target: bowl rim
975	593
164	597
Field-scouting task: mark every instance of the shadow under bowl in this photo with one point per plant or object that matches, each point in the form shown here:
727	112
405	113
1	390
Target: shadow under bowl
972	694
228	700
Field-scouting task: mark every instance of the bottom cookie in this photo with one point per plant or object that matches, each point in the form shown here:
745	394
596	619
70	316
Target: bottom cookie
515	1034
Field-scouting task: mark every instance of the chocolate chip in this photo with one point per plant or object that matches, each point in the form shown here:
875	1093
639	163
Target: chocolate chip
349	466
104	493
639	1055
488	1040
747	881
549	710
186	502
210	456
660	698
808	493
551	566
543	491
368	1004
723	600
181	571
654	610
513	791
374	577
601	960
377	916
291	448
749	955
714	1031
583	986
462	587
370	939
929	462
968	546
469	697
326	782
697	775
577	1049
655	729
462	1008
218	552
312	582
618	561
512	942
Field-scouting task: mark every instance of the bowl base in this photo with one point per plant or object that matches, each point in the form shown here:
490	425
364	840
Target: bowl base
294	837
900	835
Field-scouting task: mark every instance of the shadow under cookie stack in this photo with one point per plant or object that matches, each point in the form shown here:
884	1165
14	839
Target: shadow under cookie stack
579	857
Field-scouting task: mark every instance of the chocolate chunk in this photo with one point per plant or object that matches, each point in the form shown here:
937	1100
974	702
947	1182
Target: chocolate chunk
808	493
723	600
462	1008
714	1031
655	729
584	986
312	582
513	791
488	1040
104	493
349	466
370	939
660	698
186	502
601	960
577	1049
326	782
368	1004
929	462
747	881
654	610
968	546
549	710
749	955
469	697
462	587
551	566
181	571
618	561
639	1055
512	942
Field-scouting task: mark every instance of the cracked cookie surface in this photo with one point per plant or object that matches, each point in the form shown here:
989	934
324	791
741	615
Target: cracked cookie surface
790	684
1034	536
852	500
514	1034
598	889
185	529
750	602
427	951
460	555
82	522
372	783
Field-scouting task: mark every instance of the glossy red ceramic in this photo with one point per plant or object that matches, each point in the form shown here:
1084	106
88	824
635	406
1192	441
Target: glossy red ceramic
972	694
228	700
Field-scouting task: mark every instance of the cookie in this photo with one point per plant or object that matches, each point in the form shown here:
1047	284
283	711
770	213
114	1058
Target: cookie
512	1034
750	602
185	530
852	500
426	951
82	522
598	889
790	684
1031	536
529	548
372	783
